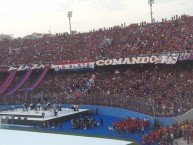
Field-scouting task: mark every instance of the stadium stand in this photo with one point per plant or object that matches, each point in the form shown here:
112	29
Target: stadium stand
154	89
168	88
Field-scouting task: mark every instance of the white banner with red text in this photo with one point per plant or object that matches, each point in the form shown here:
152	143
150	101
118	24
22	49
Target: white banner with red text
164	59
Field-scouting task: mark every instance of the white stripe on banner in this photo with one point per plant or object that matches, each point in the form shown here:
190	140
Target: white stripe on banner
74	66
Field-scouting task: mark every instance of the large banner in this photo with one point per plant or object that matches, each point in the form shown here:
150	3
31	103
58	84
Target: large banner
167	58
164	59
74	66
24	67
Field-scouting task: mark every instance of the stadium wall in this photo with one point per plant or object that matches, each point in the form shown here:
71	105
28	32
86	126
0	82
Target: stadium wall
121	113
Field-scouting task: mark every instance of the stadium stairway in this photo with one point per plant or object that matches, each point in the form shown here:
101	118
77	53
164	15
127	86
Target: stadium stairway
8	81
20	83
186	116
40	78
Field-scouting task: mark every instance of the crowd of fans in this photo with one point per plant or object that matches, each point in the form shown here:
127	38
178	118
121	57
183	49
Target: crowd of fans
158	135
114	42
131	125
166	135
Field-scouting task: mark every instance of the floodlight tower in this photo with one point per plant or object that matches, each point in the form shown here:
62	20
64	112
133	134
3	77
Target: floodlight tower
151	2
69	14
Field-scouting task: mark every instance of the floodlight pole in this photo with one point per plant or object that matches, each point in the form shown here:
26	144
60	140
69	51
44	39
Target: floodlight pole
151	2
69	14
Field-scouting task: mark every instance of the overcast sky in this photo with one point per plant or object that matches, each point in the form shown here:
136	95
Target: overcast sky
23	17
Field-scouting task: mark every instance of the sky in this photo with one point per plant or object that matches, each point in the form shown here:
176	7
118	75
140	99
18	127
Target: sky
24	17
